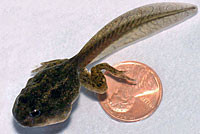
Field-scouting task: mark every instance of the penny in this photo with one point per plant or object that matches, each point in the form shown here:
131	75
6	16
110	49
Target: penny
127	102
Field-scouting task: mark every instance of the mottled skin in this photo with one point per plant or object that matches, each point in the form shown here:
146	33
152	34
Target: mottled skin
48	97
52	88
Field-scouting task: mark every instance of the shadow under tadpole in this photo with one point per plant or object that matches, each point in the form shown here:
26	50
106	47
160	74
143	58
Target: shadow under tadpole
120	80
93	95
51	129
89	94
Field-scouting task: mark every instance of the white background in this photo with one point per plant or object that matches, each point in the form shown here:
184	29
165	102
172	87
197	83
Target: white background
33	31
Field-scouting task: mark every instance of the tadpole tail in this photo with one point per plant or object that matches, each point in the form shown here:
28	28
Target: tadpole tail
133	26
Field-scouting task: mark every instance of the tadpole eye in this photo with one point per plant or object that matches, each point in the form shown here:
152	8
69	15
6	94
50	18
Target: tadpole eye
35	113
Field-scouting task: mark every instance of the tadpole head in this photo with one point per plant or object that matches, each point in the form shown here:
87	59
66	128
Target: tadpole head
33	112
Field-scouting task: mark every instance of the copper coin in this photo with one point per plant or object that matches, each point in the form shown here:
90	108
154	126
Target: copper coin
128	102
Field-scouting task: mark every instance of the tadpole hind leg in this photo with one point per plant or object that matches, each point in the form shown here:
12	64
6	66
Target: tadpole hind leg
113	71
96	81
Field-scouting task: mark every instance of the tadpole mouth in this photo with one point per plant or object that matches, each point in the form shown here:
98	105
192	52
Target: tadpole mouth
28	122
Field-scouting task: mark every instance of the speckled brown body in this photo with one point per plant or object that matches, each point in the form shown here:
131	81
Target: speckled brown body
52	88
49	95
